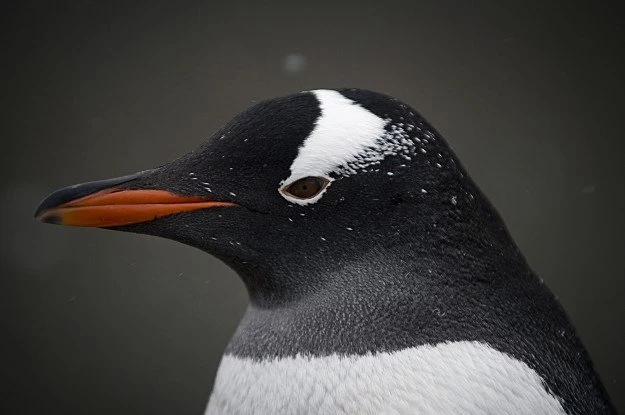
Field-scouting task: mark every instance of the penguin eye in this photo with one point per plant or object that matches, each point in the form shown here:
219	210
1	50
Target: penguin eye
307	187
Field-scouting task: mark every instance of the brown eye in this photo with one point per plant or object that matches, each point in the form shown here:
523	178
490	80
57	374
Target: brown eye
307	187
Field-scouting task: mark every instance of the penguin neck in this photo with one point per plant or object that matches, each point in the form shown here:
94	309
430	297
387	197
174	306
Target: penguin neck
394	296
405	245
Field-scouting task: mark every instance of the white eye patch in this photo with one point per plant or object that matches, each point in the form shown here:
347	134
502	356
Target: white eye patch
346	137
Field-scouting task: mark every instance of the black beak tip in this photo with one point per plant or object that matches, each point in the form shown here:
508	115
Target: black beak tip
47	203
67	194
51	218
42	213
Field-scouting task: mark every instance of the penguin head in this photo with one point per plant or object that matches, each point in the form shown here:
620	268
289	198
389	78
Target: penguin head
295	184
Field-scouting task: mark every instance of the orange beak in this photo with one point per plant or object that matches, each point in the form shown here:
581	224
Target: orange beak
117	207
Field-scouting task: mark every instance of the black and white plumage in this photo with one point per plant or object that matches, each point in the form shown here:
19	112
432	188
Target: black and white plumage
392	286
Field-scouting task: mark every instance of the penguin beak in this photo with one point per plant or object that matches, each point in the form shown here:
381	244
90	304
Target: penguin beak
106	203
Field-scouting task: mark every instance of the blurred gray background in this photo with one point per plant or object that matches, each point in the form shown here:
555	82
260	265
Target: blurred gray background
529	95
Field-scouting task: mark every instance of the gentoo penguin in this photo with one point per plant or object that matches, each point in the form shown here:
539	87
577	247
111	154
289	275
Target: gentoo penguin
380	278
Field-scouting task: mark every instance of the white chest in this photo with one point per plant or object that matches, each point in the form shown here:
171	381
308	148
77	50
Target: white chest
449	378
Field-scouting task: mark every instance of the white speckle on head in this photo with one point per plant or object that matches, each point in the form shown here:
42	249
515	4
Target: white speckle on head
448	378
423	191
232	194
389	173
454	200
